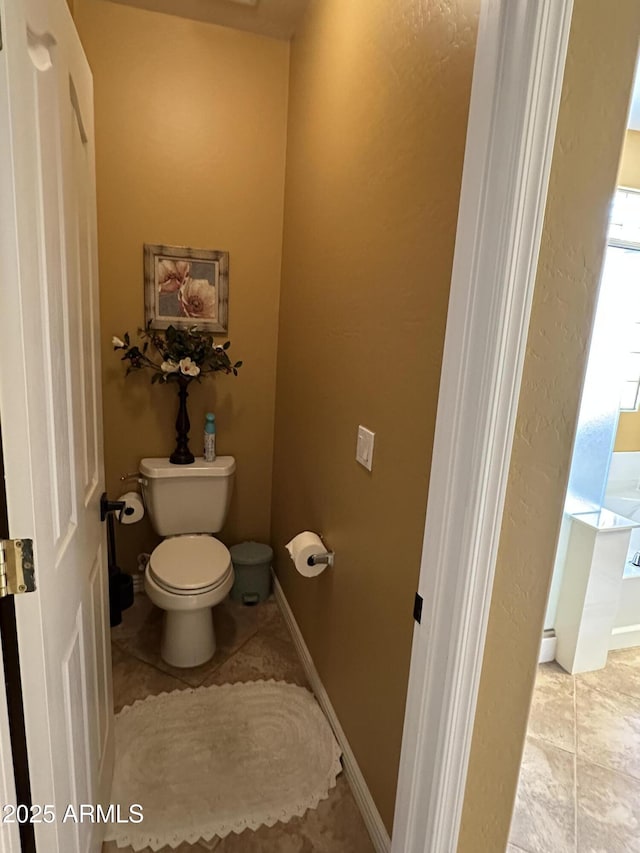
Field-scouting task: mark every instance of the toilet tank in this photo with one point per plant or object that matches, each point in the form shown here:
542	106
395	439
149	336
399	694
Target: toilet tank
191	498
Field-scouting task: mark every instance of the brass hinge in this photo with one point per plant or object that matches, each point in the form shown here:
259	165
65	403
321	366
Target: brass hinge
17	572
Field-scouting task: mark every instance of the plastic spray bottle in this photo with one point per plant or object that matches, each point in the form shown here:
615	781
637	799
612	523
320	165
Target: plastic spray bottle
210	438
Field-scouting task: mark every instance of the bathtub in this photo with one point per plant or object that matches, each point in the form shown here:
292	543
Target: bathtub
625	501
623	497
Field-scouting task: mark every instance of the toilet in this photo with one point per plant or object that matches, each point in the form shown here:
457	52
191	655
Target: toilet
190	571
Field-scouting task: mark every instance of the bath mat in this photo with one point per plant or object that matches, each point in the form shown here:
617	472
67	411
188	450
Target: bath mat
221	759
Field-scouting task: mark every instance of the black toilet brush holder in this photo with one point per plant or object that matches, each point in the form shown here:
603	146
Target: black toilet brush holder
120	596
120	583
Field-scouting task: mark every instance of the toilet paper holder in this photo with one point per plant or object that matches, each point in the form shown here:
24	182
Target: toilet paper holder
107	506
317	559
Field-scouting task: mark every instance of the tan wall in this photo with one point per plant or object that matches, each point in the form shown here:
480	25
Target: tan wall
629	171
377	125
602	53
628	435
190	139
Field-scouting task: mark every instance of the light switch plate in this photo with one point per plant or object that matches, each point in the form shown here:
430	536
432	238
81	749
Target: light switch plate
364	447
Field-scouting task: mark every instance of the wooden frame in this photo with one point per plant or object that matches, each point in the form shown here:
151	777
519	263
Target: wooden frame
186	287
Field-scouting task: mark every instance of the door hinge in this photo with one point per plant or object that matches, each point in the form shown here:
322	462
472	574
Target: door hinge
417	608
17	572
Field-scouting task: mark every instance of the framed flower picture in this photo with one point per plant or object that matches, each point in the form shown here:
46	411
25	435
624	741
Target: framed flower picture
186	287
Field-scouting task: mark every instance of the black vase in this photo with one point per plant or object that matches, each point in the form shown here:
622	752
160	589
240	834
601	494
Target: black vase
182	455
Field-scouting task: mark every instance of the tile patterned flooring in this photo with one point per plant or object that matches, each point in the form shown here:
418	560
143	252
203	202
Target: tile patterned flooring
253	643
579	789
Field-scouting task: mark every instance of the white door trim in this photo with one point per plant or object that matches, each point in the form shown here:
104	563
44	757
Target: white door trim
515	99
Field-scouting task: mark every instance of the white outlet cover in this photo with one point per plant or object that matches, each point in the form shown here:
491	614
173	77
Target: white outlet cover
364	447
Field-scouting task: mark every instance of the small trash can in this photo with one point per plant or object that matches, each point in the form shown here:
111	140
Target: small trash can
252	568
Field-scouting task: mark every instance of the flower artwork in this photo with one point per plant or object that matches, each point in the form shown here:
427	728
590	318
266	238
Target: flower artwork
171	275
197	299
186	286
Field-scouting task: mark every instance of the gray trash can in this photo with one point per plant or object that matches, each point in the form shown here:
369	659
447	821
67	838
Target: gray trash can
252	568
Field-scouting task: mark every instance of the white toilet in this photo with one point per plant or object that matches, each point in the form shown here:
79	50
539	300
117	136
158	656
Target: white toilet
190	571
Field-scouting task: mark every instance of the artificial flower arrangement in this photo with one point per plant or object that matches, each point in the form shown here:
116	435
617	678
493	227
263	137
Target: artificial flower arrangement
181	355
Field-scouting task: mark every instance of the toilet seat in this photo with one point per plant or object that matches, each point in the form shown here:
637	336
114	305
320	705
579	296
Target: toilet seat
188	565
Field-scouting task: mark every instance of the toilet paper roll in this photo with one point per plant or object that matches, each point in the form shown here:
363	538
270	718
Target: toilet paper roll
133	509
303	546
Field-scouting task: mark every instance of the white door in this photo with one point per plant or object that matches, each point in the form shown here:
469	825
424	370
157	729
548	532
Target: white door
50	408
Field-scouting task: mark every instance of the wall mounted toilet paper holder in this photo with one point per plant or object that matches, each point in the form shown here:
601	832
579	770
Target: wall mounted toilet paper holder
316	559
107	506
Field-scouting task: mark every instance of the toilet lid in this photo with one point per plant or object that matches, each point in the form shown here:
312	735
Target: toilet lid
190	564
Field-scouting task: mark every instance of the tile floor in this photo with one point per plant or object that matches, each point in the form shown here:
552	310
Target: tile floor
253	643
579	789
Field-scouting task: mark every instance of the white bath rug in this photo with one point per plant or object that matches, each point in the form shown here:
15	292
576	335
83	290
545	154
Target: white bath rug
215	760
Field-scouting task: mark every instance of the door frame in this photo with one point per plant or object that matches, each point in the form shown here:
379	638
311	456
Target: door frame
515	98
9	833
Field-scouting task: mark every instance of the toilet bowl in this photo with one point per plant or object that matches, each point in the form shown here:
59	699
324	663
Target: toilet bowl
186	576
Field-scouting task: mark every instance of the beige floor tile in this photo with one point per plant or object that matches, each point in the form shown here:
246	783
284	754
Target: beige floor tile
112	847
268	654
336	826
620	675
608	729
543	820
608	810
255	644
139	634
133	679
552	716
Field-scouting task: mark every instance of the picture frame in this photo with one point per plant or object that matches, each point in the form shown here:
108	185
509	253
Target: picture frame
186	287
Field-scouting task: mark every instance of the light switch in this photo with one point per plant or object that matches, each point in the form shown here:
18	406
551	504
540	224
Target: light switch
364	447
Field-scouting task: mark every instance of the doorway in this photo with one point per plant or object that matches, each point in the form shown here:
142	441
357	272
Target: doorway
580	776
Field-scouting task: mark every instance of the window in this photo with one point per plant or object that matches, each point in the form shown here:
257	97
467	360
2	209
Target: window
623	261
624	222
631	372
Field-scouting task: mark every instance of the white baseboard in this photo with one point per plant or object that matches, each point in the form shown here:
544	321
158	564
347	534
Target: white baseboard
353	774
548	647
625	638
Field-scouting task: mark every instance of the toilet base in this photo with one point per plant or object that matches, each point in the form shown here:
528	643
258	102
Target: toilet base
188	638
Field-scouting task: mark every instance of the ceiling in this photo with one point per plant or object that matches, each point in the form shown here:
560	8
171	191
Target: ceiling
275	18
